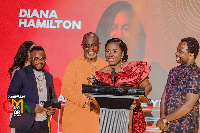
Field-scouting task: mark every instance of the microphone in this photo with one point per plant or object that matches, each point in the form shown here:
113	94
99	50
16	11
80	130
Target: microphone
113	76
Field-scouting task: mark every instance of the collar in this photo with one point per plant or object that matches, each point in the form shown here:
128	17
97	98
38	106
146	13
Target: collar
188	66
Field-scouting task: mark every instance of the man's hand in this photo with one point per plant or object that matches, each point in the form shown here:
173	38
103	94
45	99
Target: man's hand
51	111
91	79
93	105
162	126
166	128
39	109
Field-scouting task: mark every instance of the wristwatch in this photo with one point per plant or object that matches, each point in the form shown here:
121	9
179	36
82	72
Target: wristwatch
165	120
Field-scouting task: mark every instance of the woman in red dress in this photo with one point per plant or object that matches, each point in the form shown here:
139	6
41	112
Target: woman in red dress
133	73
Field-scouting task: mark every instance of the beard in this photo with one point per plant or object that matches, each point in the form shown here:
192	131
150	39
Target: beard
90	56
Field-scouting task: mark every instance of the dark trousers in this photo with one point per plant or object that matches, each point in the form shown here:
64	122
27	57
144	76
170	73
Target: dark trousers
38	127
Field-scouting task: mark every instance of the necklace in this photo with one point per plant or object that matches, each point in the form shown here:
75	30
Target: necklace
39	79
91	76
94	67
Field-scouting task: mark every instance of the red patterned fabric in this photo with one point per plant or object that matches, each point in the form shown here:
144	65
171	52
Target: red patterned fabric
138	119
134	72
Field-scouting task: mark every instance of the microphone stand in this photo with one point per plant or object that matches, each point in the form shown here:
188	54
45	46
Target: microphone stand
113	76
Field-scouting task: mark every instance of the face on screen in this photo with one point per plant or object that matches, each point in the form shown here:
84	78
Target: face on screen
120	26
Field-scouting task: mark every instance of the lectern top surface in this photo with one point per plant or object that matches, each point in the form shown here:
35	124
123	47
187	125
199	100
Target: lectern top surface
114	90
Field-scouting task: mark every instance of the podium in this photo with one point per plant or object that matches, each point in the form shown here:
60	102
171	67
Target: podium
114	102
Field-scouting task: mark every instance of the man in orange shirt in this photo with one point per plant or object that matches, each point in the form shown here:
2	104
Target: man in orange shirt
77	117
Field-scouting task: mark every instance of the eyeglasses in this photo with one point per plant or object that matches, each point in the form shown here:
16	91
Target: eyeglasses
36	59
89	45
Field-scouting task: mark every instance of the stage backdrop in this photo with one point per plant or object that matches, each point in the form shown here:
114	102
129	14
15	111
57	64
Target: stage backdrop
152	30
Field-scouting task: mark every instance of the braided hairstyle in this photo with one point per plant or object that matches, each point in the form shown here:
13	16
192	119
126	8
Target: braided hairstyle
21	56
122	46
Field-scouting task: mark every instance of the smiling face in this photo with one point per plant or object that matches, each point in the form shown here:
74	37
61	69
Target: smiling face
91	47
38	59
113	54
182	54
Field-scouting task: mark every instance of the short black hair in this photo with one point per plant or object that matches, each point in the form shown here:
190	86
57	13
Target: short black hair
38	48
193	45
122	46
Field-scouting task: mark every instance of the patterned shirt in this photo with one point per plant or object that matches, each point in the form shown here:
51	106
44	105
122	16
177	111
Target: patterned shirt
182	80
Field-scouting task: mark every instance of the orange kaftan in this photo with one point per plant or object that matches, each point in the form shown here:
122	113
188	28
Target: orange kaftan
75	118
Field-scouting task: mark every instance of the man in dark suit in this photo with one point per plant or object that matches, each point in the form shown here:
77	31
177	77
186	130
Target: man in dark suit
36	85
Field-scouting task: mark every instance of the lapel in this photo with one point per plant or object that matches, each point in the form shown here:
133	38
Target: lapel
47	83
31	81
